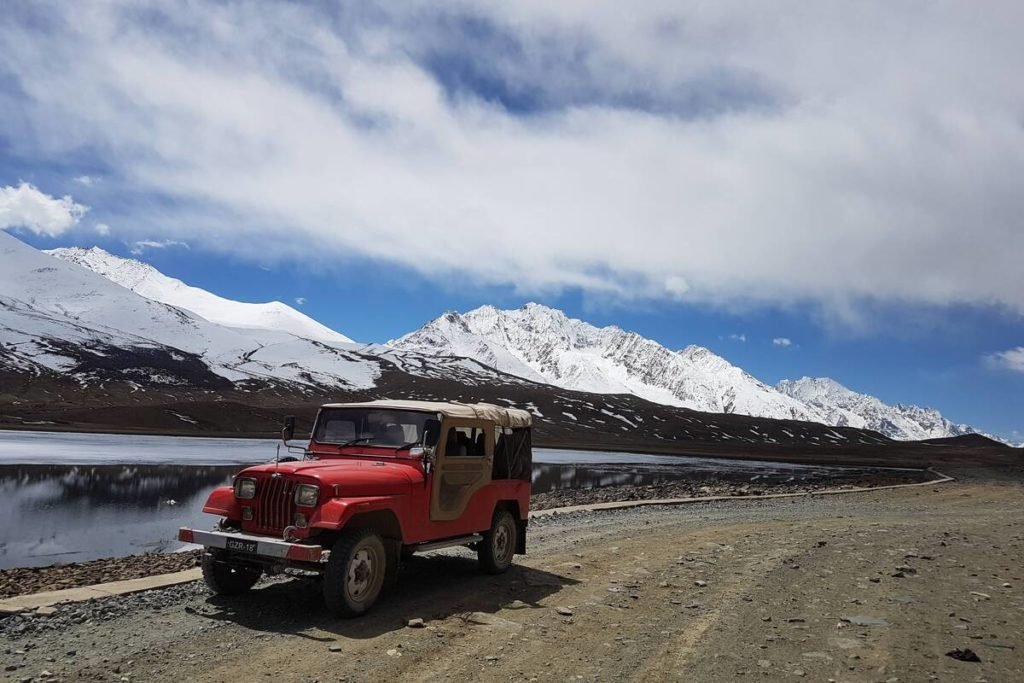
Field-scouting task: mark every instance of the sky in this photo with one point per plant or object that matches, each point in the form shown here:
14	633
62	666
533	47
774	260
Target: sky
806	188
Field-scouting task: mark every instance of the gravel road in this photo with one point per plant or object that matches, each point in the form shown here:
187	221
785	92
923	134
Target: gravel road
862	587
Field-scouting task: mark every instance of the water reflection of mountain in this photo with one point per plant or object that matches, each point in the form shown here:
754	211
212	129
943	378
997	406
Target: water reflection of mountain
141	487
553	477
128	487
137	487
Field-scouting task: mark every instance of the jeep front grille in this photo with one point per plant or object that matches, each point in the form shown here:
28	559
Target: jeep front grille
275	506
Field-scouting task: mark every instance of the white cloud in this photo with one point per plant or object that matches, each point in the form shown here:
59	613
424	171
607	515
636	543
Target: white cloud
738	154
102	229
86	180
782	341
676	286
141	246
1011	359
738	337
300	300
25	206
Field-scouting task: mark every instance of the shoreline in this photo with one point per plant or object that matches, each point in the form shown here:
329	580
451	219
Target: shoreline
19	581
897	454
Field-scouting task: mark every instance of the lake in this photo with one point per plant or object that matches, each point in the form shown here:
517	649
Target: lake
68	497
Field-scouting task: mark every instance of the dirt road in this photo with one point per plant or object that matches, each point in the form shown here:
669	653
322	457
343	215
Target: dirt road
862	587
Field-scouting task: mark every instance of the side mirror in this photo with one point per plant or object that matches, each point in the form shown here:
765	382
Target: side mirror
431	432
289	429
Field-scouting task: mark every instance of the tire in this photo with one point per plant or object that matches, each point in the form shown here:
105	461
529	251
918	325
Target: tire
228	579
498	546
355	573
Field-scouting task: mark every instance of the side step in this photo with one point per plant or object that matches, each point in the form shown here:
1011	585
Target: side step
437	545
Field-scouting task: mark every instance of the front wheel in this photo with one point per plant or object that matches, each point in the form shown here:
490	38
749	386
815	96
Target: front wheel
355	572
228	579
499	543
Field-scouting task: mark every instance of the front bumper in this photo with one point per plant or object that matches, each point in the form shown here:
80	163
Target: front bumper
253	545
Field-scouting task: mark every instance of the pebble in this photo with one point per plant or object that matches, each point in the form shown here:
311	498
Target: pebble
564	611
334	648
415	623
817	655
700	584
863	621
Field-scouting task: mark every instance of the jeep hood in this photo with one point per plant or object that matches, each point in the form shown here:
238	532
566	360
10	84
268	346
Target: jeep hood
352	477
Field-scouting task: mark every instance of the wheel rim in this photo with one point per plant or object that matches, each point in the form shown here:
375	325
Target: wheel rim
502	543
362	569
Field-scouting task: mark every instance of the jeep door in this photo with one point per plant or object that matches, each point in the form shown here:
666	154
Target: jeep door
465	453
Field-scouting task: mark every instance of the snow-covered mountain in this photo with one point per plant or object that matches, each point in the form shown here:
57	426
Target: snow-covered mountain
56	315
60	319
847	408
544	345
96	319
146	280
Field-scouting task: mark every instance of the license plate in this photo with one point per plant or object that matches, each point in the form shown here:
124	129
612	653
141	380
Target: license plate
241	546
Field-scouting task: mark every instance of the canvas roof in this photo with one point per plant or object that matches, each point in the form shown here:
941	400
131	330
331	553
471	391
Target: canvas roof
505	417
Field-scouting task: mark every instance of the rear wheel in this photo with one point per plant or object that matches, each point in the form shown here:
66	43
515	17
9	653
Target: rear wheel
228	579
498	546
355	572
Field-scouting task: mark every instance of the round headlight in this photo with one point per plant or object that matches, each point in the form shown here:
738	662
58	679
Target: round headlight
306	495
245	488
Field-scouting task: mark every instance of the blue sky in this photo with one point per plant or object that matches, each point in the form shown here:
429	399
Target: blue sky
687	173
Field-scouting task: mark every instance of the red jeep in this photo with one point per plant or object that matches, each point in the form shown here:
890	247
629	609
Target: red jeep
378	482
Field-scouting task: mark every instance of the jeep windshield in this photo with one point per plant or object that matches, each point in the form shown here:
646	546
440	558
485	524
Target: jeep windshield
384	429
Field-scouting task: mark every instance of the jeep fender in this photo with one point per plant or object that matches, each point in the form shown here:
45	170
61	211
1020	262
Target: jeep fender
336	513
222	502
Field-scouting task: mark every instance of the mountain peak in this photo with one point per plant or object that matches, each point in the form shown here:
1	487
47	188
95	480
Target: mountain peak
144	279
544	344
846	407
126	272
813	386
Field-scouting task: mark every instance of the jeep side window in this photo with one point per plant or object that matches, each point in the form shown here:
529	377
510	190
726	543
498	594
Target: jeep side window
465	441
512	454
